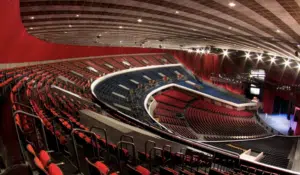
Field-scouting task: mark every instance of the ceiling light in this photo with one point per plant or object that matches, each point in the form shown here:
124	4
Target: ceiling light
247	55
32	17
231	4
278	31
99	35
120	27
121	41
65	32
70	25
225	52
140	20
77	15
273	59
229	28
30	28
259	57
287	63
177	12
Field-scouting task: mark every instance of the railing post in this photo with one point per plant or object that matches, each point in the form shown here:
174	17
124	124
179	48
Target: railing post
75	145
18	134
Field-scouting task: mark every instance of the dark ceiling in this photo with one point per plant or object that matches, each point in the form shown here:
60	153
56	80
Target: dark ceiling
249	25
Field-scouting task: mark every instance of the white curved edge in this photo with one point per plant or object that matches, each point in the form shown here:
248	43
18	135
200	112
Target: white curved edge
100	79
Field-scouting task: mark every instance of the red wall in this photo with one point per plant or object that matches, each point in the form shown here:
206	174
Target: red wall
18	46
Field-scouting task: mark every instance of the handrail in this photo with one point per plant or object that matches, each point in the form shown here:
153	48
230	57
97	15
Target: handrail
26	106
75	145
164	149
52	122
18	134
126	136
119	149
146	145
150	155
105	135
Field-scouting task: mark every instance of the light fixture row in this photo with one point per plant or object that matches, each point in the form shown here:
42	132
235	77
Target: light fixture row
259	56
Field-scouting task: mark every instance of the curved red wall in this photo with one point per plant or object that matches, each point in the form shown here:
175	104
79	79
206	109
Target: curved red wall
16	45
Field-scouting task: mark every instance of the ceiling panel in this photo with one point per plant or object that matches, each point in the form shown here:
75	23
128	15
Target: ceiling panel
250	25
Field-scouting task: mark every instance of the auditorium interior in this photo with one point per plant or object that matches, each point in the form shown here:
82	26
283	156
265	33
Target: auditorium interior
150	87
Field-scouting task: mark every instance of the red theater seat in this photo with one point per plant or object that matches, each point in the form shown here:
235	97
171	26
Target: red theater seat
54	170
45	158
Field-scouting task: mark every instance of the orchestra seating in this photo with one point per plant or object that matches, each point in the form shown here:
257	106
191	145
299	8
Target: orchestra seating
201	104
208	123
46	99
215	122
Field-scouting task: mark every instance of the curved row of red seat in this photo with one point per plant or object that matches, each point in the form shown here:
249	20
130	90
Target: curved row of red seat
204	122
201	104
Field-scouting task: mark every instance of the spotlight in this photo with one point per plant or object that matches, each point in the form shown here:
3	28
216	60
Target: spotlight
140	20
190	50
198	51
202	51
207	51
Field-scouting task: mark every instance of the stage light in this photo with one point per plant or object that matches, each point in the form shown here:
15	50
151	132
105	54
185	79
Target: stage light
190	50
197	51
207	51
202	51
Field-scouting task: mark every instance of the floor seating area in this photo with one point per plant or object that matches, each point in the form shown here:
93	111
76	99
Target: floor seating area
201	104
204	118
208	123
55	142
171	103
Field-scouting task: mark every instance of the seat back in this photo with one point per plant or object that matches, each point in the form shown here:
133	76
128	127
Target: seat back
45	158
40	166
53	169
